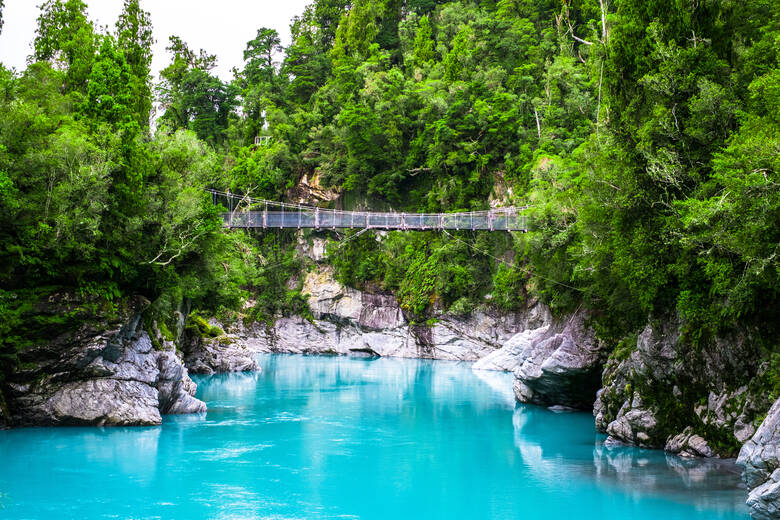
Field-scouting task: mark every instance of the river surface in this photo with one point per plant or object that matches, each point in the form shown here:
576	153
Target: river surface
335	437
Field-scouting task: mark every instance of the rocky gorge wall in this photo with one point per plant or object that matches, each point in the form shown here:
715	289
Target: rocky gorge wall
351	322
105	373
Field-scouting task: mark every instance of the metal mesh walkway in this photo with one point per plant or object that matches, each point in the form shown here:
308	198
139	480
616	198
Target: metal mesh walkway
253	213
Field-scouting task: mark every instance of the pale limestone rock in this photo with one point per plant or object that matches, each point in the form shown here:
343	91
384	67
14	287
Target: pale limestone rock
688	444
634	424
557	364
760	458
116	378
104	402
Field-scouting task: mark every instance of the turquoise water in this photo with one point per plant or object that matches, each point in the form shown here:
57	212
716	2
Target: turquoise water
327	437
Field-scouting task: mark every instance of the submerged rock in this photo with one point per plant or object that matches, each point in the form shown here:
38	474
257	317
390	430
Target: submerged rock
110	377
760	458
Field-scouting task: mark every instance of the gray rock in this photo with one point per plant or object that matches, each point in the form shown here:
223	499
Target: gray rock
760	458
330	299
228	353
688	444
358	323
109	402
634	424
558	364
509	357
764	500
663	363
114	377
730	410
176	391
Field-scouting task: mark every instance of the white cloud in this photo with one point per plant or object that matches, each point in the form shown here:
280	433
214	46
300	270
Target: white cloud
221	28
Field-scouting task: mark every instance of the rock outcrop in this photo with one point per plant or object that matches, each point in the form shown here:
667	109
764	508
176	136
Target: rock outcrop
760	458
688	444
110	375
225	353
661	380
558	363
351	322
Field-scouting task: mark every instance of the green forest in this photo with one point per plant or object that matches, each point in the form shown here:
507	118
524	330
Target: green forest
644	136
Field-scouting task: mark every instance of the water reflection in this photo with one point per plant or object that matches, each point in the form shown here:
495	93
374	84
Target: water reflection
317	437
640	473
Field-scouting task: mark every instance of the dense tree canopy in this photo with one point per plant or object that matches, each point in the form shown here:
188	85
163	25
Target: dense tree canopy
643	135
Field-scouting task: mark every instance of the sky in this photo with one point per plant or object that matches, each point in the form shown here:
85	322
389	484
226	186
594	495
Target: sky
220	27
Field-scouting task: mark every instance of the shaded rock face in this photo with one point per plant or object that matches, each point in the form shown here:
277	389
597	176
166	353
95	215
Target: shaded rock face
351	322
3	418
228	353
663	382
113	377
760	458
557	363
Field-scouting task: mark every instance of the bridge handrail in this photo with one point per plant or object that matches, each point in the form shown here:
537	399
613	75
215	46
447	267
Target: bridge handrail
305	207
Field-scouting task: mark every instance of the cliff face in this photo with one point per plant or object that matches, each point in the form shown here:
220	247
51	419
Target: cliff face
105	373
558	364
351	322
691	400
760	456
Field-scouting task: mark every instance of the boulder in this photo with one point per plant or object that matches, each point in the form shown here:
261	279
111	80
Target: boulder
100	402
101	377
635	424
760	458
688	444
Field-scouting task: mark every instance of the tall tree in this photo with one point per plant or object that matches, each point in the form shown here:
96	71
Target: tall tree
66	36
260	83
192	97
134	37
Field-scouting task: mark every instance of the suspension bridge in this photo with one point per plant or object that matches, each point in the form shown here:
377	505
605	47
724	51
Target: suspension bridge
247	212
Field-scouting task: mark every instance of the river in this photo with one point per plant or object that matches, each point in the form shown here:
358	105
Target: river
336	437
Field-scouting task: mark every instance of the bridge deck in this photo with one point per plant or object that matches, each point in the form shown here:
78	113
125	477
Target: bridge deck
503	219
